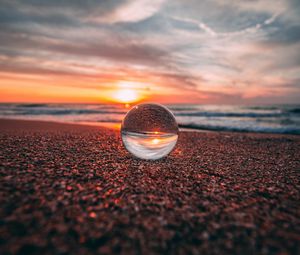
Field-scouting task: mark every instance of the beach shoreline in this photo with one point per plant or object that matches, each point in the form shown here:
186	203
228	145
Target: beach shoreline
283	119
117	126
74	189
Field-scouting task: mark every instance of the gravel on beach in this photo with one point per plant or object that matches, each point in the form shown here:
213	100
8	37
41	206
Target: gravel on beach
72	189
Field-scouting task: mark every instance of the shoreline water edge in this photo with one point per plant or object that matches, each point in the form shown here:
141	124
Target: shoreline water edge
282	119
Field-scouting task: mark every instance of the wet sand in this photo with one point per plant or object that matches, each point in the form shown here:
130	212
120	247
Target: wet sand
71	189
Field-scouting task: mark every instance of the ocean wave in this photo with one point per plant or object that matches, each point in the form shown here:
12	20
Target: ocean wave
283	109
229	114
295	110
66	112
32	105
269	119
278	130
182	108
107	120
264	108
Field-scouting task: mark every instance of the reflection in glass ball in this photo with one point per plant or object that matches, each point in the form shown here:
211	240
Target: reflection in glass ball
149	131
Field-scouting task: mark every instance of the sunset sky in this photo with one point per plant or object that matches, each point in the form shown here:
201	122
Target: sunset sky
216	51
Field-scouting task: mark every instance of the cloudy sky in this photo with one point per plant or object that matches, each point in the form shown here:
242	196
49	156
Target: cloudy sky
216	51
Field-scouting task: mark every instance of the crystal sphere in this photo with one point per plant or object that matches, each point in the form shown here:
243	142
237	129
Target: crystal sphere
149	131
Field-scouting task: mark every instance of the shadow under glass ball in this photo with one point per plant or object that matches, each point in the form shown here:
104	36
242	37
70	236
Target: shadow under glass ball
149	131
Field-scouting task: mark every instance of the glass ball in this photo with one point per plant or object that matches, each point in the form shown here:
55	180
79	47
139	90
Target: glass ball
149	131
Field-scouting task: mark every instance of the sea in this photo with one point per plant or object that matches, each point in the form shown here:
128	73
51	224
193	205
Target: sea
283	119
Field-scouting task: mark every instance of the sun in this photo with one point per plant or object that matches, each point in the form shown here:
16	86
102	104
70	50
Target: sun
126	96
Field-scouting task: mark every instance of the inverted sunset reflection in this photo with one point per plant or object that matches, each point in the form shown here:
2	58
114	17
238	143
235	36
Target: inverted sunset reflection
151	144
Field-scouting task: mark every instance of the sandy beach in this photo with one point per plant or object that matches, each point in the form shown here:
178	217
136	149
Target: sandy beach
74	189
